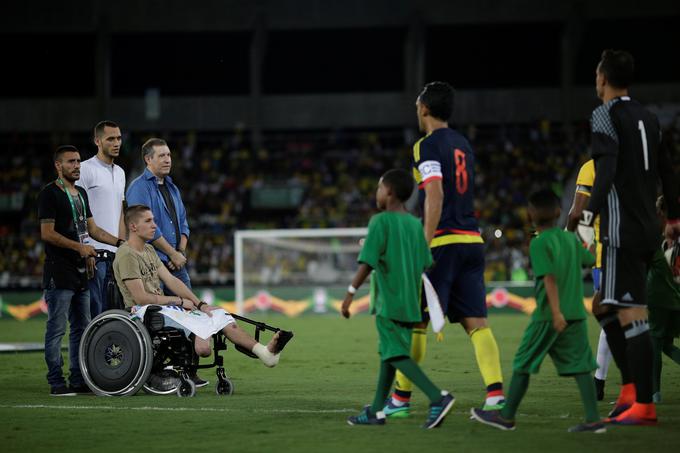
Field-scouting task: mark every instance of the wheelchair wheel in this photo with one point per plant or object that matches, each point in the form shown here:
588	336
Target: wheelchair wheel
115	354
163	382
224	387
186	388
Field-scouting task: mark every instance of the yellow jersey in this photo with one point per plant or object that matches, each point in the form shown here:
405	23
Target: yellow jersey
584	185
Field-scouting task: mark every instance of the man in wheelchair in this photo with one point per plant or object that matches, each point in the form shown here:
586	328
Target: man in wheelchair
138	272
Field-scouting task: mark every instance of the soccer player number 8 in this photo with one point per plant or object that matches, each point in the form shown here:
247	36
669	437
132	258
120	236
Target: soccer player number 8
461	171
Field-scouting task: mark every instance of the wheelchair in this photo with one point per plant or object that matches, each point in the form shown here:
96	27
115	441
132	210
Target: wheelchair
120	355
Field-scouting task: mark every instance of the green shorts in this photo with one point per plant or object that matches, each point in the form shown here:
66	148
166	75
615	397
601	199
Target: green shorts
394	338
664	323
570	350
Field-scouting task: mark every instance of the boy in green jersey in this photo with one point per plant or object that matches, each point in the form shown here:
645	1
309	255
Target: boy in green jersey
558	324
663	303
396	251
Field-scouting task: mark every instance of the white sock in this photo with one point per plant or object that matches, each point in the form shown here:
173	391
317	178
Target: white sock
604	357
493	400
270	360
398	403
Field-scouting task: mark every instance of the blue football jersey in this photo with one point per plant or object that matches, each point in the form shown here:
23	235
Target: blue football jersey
446	155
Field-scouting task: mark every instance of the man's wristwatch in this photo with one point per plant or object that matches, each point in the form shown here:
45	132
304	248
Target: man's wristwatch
200	304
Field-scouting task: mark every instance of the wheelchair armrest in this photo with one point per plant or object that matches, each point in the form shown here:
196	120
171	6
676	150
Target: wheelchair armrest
153	320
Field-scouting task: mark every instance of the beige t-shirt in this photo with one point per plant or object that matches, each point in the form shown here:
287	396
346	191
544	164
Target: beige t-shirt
130	265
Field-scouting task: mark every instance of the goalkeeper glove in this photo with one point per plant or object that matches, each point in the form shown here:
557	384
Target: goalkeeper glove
585	230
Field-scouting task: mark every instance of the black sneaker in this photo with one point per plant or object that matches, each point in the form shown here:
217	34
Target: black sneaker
198	381
618	410
599	388
438	410
80	389
62	390
594	427
492	418
366	418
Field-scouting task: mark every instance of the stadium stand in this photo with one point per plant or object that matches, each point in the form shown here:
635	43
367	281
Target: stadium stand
333	170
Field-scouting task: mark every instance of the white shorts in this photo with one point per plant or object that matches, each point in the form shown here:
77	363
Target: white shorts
196	322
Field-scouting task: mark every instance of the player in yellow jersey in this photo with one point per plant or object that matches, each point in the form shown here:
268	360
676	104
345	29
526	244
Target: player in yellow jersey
584	185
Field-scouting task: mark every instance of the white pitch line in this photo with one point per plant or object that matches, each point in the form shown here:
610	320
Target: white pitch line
261	411
175	409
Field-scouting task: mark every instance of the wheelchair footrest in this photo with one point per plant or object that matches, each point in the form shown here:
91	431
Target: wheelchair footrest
284	337
245	351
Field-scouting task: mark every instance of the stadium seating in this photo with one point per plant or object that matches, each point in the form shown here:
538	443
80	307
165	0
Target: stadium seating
217	171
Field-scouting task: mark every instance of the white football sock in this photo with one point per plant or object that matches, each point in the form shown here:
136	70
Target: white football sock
493	400
398	403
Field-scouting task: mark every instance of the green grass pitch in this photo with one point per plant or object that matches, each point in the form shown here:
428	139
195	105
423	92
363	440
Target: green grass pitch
326	373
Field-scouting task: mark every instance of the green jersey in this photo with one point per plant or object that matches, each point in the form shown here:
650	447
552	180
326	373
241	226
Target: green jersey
396	249
558	253
662	291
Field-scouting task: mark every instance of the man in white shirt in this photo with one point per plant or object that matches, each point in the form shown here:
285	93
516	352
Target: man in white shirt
104	182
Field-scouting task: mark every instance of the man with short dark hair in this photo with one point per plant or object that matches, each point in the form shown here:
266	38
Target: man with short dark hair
104	182
443	166
629	162
66	225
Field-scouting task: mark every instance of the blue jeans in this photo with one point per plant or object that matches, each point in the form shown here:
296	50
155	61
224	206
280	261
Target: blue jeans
99	285
183	275
63	304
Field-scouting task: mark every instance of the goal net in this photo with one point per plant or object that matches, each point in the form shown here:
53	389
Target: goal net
294	270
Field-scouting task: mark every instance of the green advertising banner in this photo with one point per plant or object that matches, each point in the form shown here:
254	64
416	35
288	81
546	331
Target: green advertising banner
290	300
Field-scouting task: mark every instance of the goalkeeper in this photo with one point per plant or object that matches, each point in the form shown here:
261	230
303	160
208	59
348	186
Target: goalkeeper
558	324
395	249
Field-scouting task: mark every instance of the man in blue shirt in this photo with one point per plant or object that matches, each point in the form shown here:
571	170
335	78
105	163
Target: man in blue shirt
155	188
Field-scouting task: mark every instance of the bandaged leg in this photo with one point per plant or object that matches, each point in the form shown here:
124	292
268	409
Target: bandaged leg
265	353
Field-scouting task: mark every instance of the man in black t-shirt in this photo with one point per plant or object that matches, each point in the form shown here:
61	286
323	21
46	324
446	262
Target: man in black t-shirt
629	162
66	225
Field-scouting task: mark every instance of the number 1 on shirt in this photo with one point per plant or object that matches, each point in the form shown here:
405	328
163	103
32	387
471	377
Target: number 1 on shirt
643	135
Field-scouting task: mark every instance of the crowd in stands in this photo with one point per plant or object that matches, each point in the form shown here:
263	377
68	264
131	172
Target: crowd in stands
335	171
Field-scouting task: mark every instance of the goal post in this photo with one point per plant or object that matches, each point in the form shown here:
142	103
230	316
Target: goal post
333	251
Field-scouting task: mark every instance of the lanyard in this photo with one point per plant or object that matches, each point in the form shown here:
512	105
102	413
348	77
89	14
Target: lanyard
76	219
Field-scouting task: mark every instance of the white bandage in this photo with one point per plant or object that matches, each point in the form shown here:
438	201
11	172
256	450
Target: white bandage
351	289
270	360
